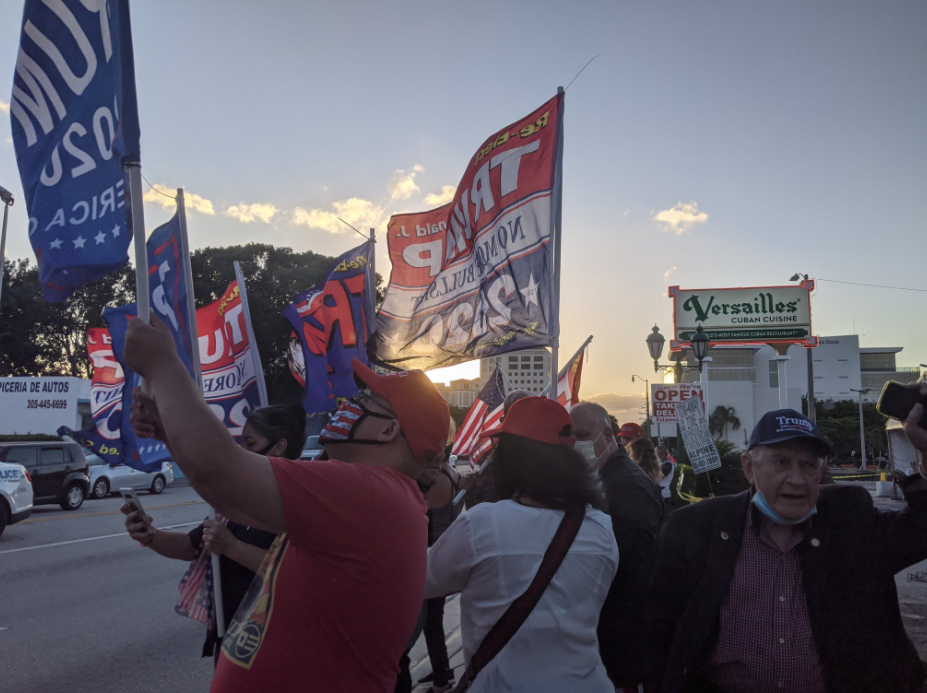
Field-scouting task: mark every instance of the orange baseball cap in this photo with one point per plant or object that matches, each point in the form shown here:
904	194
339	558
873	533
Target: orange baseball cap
421	410
537	418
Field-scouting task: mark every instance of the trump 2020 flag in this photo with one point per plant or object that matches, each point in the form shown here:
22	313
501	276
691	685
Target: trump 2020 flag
331	321
74	122
473	278
143	454
485	413
104	436
229	378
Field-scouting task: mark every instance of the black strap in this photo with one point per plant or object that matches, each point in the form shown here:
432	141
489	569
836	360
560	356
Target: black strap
519	610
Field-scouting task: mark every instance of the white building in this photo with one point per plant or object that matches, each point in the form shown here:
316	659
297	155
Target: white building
43	404
747	379
524	370
463	393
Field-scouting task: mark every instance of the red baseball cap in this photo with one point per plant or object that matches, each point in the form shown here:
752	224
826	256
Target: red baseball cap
536	418
630	430
421	410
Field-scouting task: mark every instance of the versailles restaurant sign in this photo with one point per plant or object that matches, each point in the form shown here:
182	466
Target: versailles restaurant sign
754	315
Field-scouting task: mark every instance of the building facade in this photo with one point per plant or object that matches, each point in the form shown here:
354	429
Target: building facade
463	393
746	378
523	370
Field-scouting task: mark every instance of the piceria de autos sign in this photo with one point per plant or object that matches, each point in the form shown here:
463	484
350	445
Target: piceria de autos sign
751	315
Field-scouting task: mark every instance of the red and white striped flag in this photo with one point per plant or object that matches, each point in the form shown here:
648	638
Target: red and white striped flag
568	383
197	596
485	413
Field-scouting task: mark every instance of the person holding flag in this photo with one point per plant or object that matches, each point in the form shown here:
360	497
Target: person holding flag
340	590
277	431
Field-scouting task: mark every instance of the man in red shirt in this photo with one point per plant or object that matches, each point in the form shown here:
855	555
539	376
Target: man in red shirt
334	602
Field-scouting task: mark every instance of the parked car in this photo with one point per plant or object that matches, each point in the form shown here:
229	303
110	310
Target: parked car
312	449
106	478
15	494
58	470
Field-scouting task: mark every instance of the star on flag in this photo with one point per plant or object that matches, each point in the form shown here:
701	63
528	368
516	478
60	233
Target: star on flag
100	237
56	244
531	292
79	242
116	231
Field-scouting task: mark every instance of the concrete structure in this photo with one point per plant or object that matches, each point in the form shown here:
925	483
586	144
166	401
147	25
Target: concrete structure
524	370
746	377
43	404
462	393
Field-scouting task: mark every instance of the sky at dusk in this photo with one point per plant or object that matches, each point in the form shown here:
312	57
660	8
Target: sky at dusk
709	145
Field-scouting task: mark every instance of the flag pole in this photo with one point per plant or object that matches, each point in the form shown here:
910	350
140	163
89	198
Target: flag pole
259	369
372	282
563	372
555	232
134	170
215	564
191	299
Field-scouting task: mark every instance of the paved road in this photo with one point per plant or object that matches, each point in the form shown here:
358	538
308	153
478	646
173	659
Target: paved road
85	608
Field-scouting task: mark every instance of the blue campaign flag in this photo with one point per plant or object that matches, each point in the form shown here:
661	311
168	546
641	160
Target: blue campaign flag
332	321
75	122
167	286
142	454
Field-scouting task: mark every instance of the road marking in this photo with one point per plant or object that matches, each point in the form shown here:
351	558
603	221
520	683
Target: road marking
78	541
38	520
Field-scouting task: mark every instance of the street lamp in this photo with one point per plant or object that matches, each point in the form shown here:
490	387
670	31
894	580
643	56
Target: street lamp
655	342
646	393
812	412
7	198
700	346
862	426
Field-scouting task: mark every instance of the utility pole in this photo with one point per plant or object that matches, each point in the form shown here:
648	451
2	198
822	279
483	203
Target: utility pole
862	426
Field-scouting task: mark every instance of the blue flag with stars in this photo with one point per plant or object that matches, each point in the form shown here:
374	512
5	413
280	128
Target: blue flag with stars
75	123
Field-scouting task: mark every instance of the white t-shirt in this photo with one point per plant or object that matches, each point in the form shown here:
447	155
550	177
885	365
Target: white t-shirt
490	555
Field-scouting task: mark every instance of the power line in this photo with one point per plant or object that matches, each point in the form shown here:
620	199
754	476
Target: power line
875	286
173	197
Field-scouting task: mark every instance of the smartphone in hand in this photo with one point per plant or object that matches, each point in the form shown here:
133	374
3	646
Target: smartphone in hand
897	401
130	496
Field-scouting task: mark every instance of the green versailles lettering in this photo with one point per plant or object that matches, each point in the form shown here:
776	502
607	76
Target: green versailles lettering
763	303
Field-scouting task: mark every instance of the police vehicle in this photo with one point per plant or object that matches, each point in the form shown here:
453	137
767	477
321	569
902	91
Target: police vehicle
15	494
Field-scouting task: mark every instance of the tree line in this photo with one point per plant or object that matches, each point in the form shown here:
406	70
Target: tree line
39	338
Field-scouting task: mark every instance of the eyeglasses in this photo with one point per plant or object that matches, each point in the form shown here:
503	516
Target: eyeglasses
364	396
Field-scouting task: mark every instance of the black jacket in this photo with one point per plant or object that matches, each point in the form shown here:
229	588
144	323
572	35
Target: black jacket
848	560
636	508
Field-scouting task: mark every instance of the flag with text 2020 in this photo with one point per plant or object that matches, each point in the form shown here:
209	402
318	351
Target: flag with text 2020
472	278
74	121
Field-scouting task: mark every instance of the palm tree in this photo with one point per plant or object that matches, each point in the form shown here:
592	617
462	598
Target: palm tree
722	418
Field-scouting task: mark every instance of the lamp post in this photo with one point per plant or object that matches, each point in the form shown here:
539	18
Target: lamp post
700	347
812	413
646	399
862	425
7	198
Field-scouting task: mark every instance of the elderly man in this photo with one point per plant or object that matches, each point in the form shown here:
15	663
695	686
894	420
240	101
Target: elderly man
636	508
340	590
788	586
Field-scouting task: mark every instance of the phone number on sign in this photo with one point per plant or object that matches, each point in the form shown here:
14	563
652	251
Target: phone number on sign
47	404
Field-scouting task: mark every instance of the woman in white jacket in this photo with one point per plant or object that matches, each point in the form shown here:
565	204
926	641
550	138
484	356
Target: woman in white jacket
491	554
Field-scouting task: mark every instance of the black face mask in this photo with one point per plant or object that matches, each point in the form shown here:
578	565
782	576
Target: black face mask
265	450
344	423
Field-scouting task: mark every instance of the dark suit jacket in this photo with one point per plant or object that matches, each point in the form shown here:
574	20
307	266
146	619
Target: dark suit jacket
847	576
636	508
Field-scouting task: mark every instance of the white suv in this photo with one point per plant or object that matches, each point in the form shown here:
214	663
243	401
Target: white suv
15	494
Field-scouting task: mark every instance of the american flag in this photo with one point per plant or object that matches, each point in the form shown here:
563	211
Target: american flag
197	595
485	413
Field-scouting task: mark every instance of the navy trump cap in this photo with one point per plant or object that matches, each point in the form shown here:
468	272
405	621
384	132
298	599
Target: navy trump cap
783	425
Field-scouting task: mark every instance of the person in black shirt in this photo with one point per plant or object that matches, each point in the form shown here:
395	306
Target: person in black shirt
275	431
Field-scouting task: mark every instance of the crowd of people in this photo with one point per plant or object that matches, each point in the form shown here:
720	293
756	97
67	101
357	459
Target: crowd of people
571	573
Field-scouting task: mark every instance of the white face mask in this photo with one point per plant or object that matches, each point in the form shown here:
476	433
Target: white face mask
586	448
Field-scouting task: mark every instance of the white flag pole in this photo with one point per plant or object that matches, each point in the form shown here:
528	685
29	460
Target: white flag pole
259	369
7	197
198	374
553	319
142	299
372	286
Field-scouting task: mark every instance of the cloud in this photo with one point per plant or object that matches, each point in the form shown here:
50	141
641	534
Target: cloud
620	406
359	213
681	217
4	106
9	140
402	185
441	198
667	273
164	196
626	212
248	214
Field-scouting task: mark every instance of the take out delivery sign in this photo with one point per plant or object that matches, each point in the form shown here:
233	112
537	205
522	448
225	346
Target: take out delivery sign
753	315
666	396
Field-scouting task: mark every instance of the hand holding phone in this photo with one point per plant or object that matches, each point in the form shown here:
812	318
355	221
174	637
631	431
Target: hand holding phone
897	401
